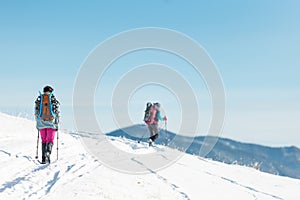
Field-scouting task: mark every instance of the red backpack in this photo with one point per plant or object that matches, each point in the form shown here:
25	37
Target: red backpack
152	112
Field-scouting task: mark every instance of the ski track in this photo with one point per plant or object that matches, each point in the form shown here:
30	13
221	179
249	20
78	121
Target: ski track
34	181
5	152
65	176
52	182
11	184
164	180
59	177
251	189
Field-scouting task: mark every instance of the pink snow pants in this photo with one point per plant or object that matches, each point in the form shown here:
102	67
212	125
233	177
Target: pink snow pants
47	135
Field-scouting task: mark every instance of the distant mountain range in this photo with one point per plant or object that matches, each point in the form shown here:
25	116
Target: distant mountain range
283	161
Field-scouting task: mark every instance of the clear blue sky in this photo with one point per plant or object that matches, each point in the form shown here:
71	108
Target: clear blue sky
255	45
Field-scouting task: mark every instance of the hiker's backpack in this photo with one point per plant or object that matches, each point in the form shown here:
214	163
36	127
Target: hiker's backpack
46	110
147	115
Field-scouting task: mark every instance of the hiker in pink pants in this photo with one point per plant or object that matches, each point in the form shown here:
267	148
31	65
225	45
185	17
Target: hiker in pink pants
47	119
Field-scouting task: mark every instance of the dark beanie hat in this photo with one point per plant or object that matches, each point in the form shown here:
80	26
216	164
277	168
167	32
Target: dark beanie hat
48	89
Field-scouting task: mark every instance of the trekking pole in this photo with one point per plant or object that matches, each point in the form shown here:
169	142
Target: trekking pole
57	145
139	140
166	126
166	129
37	146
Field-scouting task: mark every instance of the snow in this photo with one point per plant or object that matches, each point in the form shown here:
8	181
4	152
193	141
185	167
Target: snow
79	175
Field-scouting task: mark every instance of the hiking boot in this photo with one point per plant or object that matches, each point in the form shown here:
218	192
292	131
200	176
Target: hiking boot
48	153
44	147
150	143
49	147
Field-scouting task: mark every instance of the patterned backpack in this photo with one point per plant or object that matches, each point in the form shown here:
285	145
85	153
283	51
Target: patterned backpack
46	107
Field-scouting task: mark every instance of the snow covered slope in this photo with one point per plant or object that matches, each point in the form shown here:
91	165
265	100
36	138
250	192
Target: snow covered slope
78	175
283	161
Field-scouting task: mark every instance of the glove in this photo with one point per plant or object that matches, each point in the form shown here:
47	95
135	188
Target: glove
165	118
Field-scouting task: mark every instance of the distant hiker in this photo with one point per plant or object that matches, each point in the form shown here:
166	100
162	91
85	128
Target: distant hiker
47	119
152	117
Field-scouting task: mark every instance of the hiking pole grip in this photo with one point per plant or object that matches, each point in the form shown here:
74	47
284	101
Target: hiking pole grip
37	145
